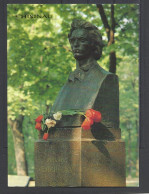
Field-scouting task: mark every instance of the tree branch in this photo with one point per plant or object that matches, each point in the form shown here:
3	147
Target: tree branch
112	30
110	33
112	18
104	19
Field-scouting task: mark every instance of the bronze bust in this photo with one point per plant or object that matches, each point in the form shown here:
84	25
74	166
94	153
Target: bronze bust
89	85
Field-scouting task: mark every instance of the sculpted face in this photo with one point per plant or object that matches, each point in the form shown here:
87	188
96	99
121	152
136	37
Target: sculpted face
80	44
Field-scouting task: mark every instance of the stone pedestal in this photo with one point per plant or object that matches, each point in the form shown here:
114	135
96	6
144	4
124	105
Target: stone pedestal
72	157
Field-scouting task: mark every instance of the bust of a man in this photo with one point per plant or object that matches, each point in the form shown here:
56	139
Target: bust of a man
89	85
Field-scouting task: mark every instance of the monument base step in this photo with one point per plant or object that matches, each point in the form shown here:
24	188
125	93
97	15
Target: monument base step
80	163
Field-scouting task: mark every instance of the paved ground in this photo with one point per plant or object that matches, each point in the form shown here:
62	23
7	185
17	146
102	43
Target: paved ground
132	182
129	183
22	181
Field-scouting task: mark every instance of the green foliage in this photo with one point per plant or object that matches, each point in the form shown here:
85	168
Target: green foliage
129	110
40	59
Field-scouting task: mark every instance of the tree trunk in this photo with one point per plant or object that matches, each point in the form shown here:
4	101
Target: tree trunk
112	57
137	133
47	109
110	30
129	152
18	138
137	149
112	67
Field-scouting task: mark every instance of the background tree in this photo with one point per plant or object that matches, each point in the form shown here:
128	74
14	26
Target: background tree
40	59
110	30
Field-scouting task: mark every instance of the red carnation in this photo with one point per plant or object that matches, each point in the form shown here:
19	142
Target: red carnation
45	136
86	125
94	115
38	126
97	117
90	113
39	118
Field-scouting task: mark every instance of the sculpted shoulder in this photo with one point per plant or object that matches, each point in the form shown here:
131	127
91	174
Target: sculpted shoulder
101	73
101	70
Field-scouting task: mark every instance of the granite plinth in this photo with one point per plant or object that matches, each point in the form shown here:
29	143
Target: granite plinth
72	157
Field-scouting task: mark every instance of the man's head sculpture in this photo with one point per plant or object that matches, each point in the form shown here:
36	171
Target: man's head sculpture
89	85
89	38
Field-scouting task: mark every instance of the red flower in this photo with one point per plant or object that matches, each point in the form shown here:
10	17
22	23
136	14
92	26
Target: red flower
39	118
86	125
45	136
94	115
38	126
97	117
90	113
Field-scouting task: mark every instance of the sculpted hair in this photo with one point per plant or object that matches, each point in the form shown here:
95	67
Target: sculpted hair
93	35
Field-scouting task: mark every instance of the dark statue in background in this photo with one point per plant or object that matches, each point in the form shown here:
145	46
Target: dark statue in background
89	86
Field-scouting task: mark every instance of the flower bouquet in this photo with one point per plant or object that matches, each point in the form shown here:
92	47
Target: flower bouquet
45	122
